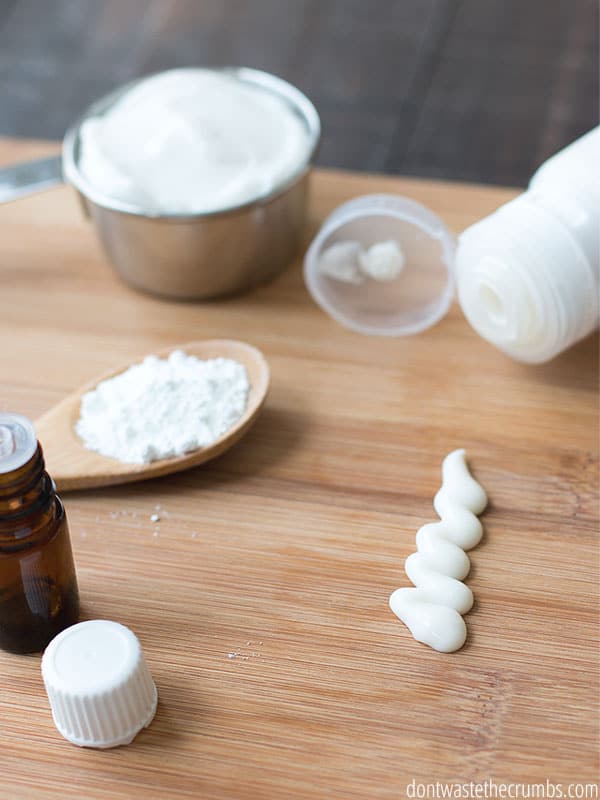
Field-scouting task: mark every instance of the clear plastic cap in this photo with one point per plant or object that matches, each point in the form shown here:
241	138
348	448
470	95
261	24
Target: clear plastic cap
382	265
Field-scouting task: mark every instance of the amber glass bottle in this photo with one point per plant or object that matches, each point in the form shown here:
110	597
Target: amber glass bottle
38	586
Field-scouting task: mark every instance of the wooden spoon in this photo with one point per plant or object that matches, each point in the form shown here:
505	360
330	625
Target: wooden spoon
74	467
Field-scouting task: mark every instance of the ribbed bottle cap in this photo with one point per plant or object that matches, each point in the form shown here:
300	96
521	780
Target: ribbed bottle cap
524	283
99	686
18	442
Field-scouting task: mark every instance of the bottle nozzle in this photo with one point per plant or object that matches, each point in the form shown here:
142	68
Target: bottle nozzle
7	442
18	442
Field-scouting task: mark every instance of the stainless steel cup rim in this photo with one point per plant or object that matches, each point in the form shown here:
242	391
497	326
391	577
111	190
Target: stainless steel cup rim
290	94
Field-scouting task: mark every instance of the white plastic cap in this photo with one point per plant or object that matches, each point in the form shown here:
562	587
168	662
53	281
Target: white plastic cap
382	265
99	686
18	442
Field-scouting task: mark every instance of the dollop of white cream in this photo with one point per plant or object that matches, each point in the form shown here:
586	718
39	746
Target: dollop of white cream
383	261
348	262
340	262
192	141
432	610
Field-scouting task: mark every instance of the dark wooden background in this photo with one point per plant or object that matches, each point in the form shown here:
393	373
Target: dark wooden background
477	90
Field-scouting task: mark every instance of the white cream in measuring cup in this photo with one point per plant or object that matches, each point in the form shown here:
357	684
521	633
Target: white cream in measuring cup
193	141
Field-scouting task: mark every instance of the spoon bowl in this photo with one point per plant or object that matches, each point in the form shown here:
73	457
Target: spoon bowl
73	466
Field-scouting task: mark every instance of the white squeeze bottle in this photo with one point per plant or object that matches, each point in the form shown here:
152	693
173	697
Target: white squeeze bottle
528	276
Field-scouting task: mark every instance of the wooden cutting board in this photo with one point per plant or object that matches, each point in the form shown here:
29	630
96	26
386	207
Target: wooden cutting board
284	551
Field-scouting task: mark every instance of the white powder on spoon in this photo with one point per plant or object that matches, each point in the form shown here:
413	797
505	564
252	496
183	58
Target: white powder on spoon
162	408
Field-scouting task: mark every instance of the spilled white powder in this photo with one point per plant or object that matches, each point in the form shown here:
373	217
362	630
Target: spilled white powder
163	407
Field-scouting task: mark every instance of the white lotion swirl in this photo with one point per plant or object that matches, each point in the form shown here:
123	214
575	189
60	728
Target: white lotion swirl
432	610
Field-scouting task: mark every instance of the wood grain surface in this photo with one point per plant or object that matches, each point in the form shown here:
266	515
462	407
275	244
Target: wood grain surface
283	552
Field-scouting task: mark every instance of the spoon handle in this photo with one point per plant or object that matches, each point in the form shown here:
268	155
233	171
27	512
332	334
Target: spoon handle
29	177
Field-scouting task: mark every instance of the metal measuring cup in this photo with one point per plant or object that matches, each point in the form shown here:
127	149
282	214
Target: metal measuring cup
186	256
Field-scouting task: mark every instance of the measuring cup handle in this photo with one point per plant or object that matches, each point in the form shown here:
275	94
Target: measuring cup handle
29	177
